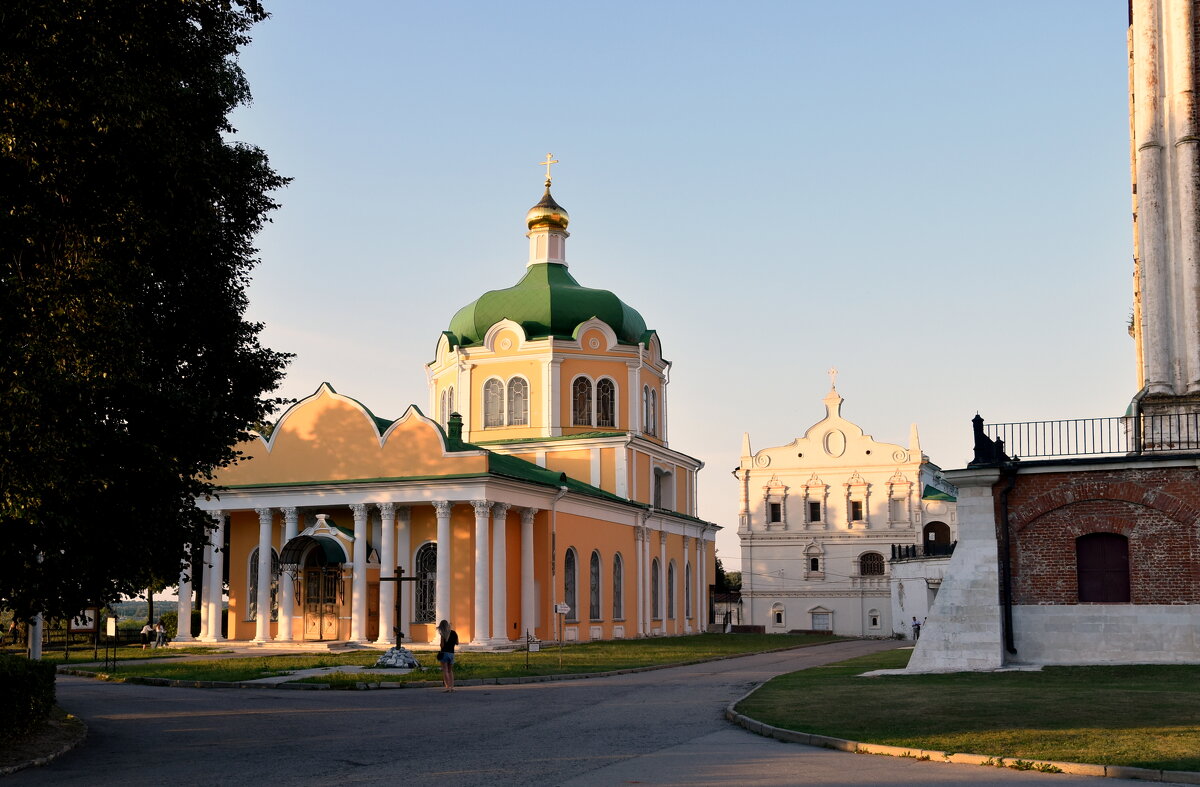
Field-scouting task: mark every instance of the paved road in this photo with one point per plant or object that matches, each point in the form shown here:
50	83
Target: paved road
661	727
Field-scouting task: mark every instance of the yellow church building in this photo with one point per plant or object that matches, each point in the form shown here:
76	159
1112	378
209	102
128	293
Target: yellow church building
542	499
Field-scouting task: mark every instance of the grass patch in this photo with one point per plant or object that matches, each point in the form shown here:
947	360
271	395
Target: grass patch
1146	716
134	653
587	657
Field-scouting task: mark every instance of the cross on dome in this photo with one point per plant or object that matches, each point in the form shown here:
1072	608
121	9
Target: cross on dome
549	160
833	373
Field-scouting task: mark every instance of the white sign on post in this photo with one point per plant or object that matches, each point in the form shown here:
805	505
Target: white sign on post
562	608
111	628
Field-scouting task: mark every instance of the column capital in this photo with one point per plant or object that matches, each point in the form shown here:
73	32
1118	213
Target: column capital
500	510
686	542
386	510
527	515
290	513
443	507
265	515
482	507
359	509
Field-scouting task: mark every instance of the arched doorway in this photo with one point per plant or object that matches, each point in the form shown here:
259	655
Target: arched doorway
936	538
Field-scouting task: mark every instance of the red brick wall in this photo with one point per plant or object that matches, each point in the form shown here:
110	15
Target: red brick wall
1157	509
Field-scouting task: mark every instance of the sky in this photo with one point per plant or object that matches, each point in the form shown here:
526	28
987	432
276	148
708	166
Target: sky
932	197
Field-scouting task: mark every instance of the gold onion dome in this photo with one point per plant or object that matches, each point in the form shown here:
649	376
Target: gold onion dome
547	213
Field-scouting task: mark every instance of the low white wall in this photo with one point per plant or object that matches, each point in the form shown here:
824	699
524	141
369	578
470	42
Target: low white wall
913	584
1107	634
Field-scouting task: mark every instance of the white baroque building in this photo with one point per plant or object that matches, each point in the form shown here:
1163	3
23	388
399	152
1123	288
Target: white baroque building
818	521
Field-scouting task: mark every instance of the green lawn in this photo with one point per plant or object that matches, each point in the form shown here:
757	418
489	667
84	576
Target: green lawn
589	657
1142	716
81	655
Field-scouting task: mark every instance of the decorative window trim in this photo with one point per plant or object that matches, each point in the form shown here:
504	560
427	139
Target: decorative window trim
618	588
778	615
488	413
816	491
615	402
424	603
509	416
252	585
775	493
649	411
858	563
662	488
814	551
655	589
446	405
899	488
874	620
813	612
671	577
858	491
687	590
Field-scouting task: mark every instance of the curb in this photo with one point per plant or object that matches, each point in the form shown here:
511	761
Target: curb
416	684
47	758
1047	766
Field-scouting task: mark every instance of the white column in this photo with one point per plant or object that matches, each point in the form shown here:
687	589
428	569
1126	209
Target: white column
287	582
262	620
500	630
387	569
528	617
214	584
687	591
202	601
35	638
183	631
647	622
404	561
358	587
480	630
638	575
442	604
701	586
663	589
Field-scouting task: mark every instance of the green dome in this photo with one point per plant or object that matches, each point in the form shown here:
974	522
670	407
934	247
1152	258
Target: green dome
547	301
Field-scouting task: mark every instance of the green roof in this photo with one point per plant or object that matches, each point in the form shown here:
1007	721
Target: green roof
547	303
933	493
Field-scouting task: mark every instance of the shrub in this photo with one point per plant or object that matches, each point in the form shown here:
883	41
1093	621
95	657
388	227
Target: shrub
26	694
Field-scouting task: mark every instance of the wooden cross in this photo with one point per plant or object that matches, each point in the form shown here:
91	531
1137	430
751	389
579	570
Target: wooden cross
833	377
549	160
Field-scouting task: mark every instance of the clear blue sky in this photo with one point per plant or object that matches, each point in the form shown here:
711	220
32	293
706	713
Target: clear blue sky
931	196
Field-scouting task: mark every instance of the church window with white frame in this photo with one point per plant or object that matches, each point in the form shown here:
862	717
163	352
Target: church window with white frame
671	590
649	410
655	589
570	584
493	403
581	402
425	592
606	403
618	595
252	586
446	405
594	587
518	402
814	511
687	590
778	617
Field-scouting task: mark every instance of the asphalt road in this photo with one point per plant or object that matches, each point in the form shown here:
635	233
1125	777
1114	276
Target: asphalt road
659	727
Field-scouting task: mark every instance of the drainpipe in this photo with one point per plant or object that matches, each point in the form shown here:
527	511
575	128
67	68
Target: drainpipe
1136	426
1009	470
562	491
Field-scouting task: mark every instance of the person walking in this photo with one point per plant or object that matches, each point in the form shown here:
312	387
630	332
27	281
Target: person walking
160	634
449	640
147	633
916	629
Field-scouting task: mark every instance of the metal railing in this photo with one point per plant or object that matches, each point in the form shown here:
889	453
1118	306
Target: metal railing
907	551
1128	435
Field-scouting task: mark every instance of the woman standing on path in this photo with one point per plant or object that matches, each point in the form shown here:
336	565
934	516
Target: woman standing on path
446	654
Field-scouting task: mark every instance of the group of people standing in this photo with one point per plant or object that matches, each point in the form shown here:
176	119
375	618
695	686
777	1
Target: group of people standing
154	635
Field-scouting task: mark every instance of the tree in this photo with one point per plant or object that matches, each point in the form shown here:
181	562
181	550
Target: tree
127	369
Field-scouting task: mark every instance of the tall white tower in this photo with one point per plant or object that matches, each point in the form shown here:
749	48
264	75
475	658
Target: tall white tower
1165	152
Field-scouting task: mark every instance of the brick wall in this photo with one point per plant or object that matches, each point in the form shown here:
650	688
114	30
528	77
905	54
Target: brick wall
1156	508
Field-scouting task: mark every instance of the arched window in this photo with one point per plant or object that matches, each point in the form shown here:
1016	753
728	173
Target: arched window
671	590
1102	561
655	592
618	595
649	410
443	410
594	587
570	594
252	586
493	403
814	564
518	402
664	490
653	411
687	590
581	402
606	403
777	615
449	403
425	592
870	564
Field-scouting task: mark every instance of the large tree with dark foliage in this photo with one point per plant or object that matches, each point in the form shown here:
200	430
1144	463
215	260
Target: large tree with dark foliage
127	369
